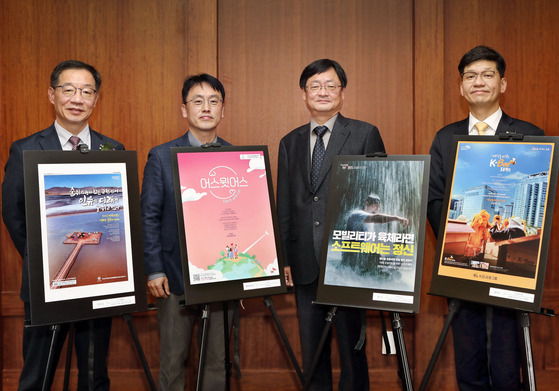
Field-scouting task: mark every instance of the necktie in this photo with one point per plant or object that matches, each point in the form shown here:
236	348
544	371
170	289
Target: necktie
317	154
481	126
75	141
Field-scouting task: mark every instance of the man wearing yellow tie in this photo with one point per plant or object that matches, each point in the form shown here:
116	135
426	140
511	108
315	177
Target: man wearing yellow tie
486	349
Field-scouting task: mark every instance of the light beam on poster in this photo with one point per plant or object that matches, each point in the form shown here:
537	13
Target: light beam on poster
227	223
376	230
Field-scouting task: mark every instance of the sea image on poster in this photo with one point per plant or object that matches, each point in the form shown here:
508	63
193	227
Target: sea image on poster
372	241
496	212
227	216
85	221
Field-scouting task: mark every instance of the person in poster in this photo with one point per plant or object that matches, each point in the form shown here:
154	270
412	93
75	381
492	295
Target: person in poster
358	220
203	108
482	72
304	165
74	90
372	241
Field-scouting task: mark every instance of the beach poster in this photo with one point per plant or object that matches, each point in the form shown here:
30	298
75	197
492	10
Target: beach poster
85	220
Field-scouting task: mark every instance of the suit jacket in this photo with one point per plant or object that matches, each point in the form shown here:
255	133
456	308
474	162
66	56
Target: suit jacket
159	215
441	152
13	192
302	210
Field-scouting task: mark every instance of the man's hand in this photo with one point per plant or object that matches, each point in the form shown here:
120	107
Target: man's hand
288	278
159	287
404	221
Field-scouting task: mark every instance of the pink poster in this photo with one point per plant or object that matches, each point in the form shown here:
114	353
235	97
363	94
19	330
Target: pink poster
227	216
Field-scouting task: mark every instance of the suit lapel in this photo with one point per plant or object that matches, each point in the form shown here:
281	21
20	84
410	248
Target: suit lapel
302	149
505	124
49	140
96	140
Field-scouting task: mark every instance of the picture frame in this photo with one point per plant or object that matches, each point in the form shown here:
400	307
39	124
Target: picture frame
496	225
227	223
85	248
372	256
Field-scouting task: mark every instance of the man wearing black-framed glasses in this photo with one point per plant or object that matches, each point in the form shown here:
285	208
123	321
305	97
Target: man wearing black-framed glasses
203	108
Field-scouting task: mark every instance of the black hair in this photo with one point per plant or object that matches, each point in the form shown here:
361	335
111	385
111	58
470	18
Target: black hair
483	53
191	81
74	64
372	199
320	66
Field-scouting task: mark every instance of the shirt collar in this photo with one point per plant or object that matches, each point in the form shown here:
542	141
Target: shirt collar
493	121
64	136
329	124
194	142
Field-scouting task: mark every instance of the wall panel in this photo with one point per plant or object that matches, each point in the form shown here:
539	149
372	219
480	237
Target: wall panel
400	57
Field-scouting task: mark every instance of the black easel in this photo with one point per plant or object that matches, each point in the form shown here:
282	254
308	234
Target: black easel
203	345
268	302
397	324
205	325
49	373
523	322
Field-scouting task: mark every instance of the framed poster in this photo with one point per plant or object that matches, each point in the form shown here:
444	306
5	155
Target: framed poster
373	255
227	223
84	238
496	223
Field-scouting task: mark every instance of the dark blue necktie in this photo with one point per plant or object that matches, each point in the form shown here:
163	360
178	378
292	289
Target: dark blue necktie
317	154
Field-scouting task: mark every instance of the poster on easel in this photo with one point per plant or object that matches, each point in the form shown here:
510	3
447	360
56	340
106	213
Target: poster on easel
496	221
227	223
85	249
372	257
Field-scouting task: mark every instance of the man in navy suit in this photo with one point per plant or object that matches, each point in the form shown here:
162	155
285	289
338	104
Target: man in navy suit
203	107
74	90
477	327
301	204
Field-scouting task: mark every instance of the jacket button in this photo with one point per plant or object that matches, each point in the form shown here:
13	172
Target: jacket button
315	199
316	223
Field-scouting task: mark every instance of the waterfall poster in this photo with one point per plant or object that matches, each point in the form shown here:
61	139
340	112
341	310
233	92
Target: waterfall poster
495	233
227	221
375	228
83	221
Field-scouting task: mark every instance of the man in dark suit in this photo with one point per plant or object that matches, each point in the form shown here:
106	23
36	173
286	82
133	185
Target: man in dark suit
203	107
74	90
301	201
476	326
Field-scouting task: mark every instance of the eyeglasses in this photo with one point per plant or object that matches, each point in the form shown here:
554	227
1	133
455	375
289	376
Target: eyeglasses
315	87
485	75
69	91
199	102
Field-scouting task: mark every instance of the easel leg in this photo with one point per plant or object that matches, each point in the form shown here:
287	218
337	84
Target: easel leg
227	361
49	373
329	320
528	373
91	357
205	325
268	302
405	374
454	308
128	320
68	357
